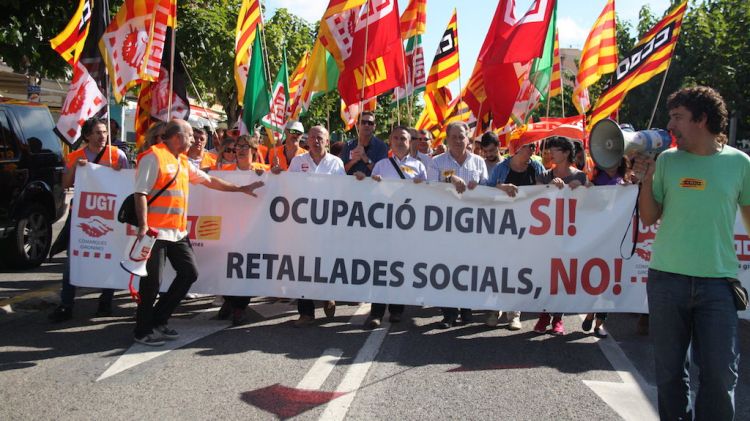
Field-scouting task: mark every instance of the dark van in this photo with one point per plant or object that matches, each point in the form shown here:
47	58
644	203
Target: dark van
31	192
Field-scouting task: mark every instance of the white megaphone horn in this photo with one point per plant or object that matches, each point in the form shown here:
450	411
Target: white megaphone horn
609	143
139	254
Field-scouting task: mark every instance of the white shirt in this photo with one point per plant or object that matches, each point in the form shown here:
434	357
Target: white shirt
412	168
426	161
145	177
329	164
444	165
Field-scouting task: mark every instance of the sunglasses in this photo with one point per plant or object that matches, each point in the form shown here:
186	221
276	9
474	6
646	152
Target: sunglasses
367	122
297	132
230	150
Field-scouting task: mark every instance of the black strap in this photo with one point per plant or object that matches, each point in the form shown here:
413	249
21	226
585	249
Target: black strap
635	216
165	187
398	169
100	155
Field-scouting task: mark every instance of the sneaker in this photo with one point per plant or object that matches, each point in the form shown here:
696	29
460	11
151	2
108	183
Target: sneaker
303	321
557	326
587	324
104	309
492	318
224	311
329	308
466	316
394	317
191	296
447	323
150	340
60	314
373	323
542	323
515	323
600	332
238	317
165	332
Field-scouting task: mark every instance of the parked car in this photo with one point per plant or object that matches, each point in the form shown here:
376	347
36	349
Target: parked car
31	192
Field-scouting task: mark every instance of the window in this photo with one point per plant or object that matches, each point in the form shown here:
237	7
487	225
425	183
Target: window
7	139
37	126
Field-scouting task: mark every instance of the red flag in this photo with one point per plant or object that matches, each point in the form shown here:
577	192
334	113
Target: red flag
377	34
506	54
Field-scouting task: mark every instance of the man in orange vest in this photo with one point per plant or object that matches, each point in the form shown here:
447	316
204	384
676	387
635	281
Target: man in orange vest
280	156
95	150
168	214
197	153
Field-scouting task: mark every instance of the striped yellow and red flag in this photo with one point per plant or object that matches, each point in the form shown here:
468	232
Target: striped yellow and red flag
435	109
555	84
445	66
650	56
247	26
296	87
599	56
69	43
142	119
338	6
414	19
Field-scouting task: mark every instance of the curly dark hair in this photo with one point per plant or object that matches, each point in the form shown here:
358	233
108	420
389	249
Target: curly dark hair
88	126
700	101
565	144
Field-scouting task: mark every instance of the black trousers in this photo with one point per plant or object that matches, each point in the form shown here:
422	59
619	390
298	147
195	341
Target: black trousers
182	258
378	310
306	307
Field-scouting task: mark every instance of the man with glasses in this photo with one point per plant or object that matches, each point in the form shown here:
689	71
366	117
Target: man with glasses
419	147
280	156
362	153
508	175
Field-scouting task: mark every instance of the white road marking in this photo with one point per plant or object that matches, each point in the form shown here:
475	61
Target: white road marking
634	398
320	370
355	375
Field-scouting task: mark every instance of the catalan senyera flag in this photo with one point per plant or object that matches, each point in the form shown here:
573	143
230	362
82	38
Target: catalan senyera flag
458	111
296	86
414	19
445	66
376	62
653	51
69	43
128	44
599	56
435	111
555	85
248	20
142	119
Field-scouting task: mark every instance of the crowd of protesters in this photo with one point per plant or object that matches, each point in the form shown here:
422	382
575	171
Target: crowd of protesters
697	120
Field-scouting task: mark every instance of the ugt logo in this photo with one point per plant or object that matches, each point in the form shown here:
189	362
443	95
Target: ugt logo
95	207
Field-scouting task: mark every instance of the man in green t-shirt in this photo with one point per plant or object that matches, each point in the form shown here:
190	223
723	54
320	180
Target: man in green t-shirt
695	190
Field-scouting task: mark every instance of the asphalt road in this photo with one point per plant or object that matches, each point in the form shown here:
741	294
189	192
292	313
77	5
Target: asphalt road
88	368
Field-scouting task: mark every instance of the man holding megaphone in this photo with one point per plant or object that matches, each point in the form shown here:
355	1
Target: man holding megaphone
695	190
167	165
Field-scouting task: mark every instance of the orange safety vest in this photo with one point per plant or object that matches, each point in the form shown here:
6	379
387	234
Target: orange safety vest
224	166
169	210
263	152
279	151
109	158
208	161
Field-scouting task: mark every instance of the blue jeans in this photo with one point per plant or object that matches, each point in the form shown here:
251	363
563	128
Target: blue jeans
699	312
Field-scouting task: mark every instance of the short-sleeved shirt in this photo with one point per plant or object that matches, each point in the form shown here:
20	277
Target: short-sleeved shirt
375	150
444	166
699	196
547	176
329	164
145	177
412	168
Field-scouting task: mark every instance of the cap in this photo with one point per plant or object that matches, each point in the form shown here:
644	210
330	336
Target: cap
295	125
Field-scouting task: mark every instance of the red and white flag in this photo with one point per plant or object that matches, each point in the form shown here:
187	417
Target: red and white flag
84	100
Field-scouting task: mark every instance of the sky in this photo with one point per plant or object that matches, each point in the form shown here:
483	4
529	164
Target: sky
574	20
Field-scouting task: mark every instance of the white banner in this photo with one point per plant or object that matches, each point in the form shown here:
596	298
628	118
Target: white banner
333	237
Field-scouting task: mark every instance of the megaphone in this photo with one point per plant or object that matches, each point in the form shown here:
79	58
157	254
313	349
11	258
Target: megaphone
609	143
135	264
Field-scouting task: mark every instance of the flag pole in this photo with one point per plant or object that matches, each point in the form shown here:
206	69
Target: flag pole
171	61
562	91
406	84
198	94
364	60
458	54
658	97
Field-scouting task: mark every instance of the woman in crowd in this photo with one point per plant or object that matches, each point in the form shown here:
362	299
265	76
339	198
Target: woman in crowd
248	156
227	157
562	155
